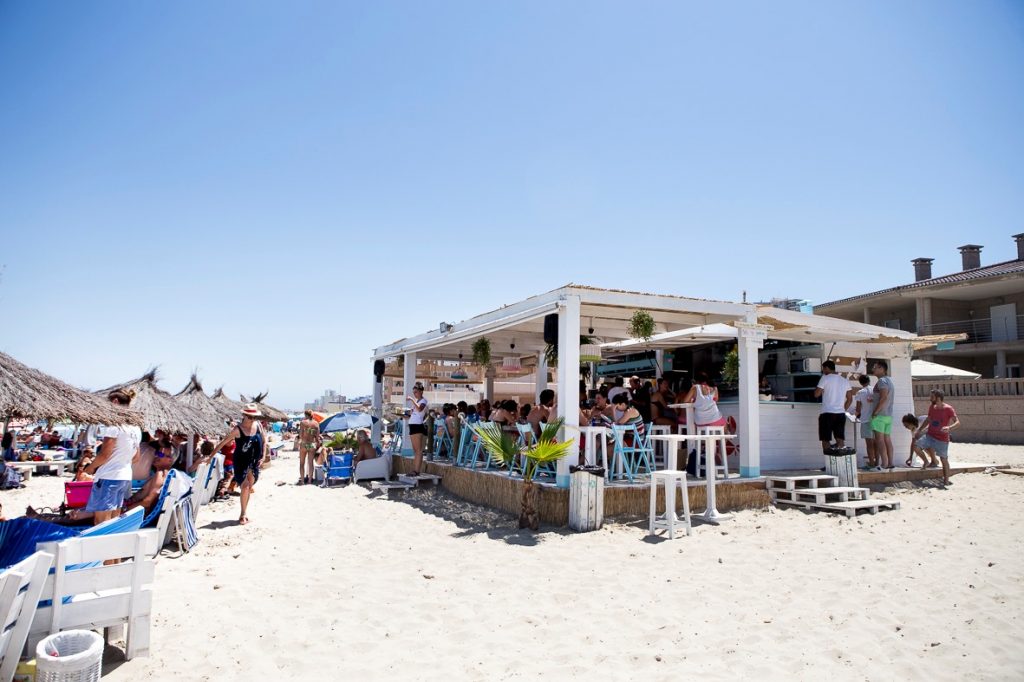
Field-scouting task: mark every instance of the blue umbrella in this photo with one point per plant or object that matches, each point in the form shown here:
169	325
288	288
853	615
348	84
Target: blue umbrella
343	421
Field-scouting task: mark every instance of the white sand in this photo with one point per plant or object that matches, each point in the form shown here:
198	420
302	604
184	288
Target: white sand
341	584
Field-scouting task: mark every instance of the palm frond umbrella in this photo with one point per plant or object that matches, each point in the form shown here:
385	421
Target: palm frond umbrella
195	397
267	412
30	394
161	411
232	406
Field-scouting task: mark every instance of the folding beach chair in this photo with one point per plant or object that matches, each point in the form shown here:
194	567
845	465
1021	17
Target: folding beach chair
443	445
338	467
395	446
633	455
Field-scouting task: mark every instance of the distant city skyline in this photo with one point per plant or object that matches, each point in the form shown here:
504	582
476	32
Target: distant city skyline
265	192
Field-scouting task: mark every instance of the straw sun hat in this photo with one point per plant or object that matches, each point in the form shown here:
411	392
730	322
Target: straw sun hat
250	410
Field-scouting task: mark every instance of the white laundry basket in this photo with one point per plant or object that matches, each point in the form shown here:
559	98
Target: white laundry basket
69	656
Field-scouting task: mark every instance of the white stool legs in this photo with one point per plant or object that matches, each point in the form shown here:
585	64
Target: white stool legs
672	479
707	449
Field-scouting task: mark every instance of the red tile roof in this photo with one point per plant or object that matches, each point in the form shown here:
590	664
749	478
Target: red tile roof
1010	267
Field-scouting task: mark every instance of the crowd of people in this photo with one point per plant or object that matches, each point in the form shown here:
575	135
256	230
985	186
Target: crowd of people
639	403
128	467
872	407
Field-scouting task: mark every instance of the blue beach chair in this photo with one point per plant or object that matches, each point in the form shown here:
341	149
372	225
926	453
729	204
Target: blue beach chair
634	456
443	445
338	467
395	446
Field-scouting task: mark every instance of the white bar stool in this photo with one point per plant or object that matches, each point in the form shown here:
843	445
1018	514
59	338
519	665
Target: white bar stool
708	448
671	478
660	447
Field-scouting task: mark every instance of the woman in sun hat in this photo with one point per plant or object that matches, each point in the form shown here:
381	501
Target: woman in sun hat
250	446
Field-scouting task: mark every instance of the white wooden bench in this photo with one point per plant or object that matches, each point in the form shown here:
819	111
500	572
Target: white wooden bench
20	587
102	596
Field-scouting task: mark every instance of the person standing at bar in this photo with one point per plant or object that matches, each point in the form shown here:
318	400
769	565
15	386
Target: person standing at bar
832	389
881	415
417	426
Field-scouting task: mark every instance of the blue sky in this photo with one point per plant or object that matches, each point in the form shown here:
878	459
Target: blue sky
268	190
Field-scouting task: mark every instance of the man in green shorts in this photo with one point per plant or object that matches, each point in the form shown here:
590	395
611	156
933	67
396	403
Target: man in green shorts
881	416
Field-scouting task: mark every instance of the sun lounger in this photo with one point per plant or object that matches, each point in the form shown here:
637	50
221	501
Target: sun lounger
84	593
168	514
20	587
199	487
213	478
379	467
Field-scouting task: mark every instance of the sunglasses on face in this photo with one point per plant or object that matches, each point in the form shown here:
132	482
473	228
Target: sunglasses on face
161	455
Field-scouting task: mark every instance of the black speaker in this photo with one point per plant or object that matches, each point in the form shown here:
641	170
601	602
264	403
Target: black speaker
378	369
551	329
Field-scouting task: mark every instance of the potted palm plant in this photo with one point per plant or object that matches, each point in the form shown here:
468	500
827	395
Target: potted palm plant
547	449
482	351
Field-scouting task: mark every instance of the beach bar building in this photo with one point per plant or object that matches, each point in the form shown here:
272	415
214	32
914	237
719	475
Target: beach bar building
772	434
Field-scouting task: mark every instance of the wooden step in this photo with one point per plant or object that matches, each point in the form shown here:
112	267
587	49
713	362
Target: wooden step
387	486
793	482
821	495
422	478
851	507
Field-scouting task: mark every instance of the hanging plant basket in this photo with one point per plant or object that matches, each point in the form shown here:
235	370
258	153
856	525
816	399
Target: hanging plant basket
482	351
641	325
590	352
731	368
551	352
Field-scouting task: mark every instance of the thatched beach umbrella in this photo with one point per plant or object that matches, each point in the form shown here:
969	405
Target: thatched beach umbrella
269	413
31	394
232	406
194	396
161	411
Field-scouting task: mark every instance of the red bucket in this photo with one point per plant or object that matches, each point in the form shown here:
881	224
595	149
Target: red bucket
76	494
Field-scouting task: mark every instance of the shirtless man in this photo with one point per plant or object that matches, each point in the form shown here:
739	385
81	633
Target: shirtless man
146	497
541	412
365	450
309	442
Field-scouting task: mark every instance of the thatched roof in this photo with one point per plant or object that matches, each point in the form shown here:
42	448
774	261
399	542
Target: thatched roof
268	412
31	394
232	406
161	411
194	396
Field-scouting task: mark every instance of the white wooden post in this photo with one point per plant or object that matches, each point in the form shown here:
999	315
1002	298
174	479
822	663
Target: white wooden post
569	383
377	409
489	384
659	361
750	338
903	400
541	378
190	449
408	381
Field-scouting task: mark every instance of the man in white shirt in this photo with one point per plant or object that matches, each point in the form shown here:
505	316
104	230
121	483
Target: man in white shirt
617	389
832	389
112	467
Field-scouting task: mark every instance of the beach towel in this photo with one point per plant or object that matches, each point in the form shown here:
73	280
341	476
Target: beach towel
19	536
188	524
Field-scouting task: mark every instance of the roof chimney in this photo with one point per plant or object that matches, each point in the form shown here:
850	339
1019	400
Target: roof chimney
1019	238
922	268
971	255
